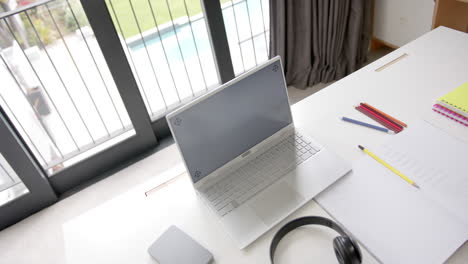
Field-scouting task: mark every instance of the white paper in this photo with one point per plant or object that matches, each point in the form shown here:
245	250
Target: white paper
446	124
437	162
395	221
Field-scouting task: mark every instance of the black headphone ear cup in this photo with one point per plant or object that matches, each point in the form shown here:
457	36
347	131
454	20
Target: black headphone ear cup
345	250
356	249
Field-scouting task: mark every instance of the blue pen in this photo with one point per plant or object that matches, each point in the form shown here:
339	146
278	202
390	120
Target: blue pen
357	122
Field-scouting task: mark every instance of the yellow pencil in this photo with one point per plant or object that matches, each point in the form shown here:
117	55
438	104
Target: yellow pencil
389	167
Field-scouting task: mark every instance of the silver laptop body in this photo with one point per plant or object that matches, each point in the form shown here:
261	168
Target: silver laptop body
246	159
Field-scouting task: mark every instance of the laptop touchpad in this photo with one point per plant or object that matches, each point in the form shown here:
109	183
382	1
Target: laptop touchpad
275	202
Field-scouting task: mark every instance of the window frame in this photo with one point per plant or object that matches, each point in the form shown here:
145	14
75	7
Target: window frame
22	161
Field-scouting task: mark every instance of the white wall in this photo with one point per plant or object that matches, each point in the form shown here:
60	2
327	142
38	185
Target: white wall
401	21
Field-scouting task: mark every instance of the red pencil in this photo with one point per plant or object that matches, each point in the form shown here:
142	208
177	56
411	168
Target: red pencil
370	109
387	116
379	119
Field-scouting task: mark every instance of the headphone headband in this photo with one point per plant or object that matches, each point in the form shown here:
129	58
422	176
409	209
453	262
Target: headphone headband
307	220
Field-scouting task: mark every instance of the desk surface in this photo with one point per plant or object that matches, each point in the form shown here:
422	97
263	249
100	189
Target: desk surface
121	229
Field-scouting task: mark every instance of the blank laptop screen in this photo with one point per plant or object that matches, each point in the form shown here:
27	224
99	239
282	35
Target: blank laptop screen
225	125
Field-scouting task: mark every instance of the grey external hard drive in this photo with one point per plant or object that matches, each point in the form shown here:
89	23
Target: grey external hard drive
176	247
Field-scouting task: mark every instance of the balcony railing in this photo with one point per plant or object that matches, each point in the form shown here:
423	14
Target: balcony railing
172	61
247	27
56	85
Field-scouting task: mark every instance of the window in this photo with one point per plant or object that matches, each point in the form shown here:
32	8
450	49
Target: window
57	86
11	186
247	27
168	47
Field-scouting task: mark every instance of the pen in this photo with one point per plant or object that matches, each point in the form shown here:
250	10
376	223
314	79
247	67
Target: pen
389	167
357	122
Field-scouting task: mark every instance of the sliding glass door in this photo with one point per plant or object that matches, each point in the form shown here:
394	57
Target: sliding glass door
70	103
69	92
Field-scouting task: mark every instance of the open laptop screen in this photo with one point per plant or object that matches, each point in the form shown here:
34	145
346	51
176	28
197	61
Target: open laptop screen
226	124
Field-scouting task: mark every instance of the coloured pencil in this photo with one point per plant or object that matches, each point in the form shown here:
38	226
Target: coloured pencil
357	122
378	118
387	116
408	180
376	113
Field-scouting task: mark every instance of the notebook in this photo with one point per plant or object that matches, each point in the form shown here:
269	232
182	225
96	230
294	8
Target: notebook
396	222
450	114
456	100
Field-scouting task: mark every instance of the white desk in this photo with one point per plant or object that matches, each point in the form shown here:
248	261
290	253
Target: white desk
121	229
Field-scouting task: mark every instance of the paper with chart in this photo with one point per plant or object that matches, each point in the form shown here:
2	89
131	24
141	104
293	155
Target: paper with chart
395	221
437	162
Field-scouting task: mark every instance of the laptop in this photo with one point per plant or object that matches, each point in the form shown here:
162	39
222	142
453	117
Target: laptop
246	159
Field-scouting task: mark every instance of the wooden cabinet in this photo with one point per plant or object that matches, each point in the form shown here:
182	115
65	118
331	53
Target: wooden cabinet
452	14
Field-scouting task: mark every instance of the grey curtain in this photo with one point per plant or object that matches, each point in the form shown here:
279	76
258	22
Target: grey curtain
319	40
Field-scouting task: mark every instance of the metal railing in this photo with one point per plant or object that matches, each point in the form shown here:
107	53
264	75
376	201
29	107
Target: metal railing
56	85
172	61
247	26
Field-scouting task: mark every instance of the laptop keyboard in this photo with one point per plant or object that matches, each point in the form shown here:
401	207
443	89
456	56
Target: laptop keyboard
256	175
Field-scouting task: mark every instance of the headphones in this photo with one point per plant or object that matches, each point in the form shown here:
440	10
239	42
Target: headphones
346	248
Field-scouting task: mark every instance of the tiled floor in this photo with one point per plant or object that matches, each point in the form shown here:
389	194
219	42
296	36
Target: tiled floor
40	238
